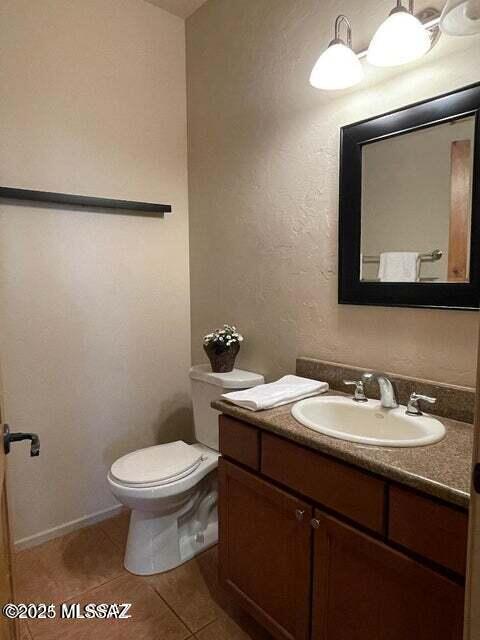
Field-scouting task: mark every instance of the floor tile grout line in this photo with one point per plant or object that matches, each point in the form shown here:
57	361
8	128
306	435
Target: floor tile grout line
120	547
216	618
191	635
29	631
31	636
171	609
208	625
98	586
121	575
99	526
82	594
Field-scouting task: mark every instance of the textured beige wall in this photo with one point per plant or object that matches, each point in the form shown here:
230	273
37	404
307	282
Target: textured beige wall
94	308
263	179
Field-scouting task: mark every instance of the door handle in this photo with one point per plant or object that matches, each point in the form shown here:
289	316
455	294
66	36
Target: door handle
9	437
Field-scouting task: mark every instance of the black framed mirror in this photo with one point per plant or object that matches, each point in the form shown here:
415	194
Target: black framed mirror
409	219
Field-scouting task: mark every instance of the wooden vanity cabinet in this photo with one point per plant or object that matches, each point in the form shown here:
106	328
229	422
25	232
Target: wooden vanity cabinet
366	572
336	486
364	590
240	442
428	528
265	550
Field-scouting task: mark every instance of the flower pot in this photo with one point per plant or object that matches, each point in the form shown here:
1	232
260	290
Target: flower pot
222	358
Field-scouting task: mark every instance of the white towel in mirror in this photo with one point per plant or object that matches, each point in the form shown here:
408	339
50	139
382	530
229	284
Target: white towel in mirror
399	266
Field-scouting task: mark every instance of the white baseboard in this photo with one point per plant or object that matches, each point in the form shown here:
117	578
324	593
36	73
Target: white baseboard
68	527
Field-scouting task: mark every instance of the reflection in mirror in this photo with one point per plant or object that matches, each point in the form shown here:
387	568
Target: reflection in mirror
417	205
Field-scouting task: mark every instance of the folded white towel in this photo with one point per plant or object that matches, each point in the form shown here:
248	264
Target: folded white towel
267	396
399	266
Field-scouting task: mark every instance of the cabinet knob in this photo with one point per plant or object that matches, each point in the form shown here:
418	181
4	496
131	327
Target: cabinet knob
299	514
315	523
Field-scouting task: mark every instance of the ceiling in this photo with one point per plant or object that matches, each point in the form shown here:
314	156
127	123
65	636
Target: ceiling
181	8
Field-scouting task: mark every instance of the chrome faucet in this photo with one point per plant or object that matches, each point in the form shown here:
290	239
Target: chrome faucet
413	408
388	389
359	394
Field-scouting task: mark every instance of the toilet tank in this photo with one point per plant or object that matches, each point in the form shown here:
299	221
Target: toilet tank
207	387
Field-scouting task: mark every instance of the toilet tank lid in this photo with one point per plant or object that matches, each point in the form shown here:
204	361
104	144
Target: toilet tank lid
236	379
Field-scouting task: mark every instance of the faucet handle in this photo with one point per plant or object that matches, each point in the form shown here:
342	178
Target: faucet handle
413	408
359	395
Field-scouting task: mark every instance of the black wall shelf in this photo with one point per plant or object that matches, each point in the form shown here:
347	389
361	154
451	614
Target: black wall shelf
120	207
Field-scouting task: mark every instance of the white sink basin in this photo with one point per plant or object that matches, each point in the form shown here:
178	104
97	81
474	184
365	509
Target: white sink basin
367	422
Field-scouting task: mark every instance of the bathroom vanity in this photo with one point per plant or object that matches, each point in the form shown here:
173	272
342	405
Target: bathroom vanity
326	539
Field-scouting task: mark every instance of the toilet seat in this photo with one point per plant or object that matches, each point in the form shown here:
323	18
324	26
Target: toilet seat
156	466
173	489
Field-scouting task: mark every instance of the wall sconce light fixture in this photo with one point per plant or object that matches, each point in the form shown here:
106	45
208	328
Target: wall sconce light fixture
461	18
338	67
401	39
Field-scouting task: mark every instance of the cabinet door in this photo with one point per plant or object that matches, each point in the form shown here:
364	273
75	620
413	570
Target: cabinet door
364	590
265	551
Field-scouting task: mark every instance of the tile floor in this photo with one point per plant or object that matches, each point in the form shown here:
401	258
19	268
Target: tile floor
87	566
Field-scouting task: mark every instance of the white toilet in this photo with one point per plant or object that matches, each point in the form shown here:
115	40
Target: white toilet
172	488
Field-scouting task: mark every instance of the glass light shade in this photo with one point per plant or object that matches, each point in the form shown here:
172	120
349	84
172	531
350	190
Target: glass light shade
461	18
337	68
401	39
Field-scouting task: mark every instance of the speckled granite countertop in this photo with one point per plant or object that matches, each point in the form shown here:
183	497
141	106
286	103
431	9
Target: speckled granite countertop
442	470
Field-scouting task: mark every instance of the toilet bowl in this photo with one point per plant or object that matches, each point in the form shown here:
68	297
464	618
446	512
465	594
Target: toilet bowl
171	489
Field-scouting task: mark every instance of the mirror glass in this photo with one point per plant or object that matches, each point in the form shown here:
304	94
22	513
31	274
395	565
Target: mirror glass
417	205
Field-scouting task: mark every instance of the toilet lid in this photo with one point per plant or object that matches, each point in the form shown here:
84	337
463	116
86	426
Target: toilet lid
157	465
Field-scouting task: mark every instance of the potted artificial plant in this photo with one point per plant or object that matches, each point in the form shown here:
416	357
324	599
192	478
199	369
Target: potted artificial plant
222	347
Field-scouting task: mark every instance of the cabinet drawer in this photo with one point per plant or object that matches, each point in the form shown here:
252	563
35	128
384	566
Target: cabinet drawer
335	485
240	442
431	529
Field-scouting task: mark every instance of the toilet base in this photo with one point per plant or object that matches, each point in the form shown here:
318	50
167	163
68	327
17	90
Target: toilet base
153	547
160	542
